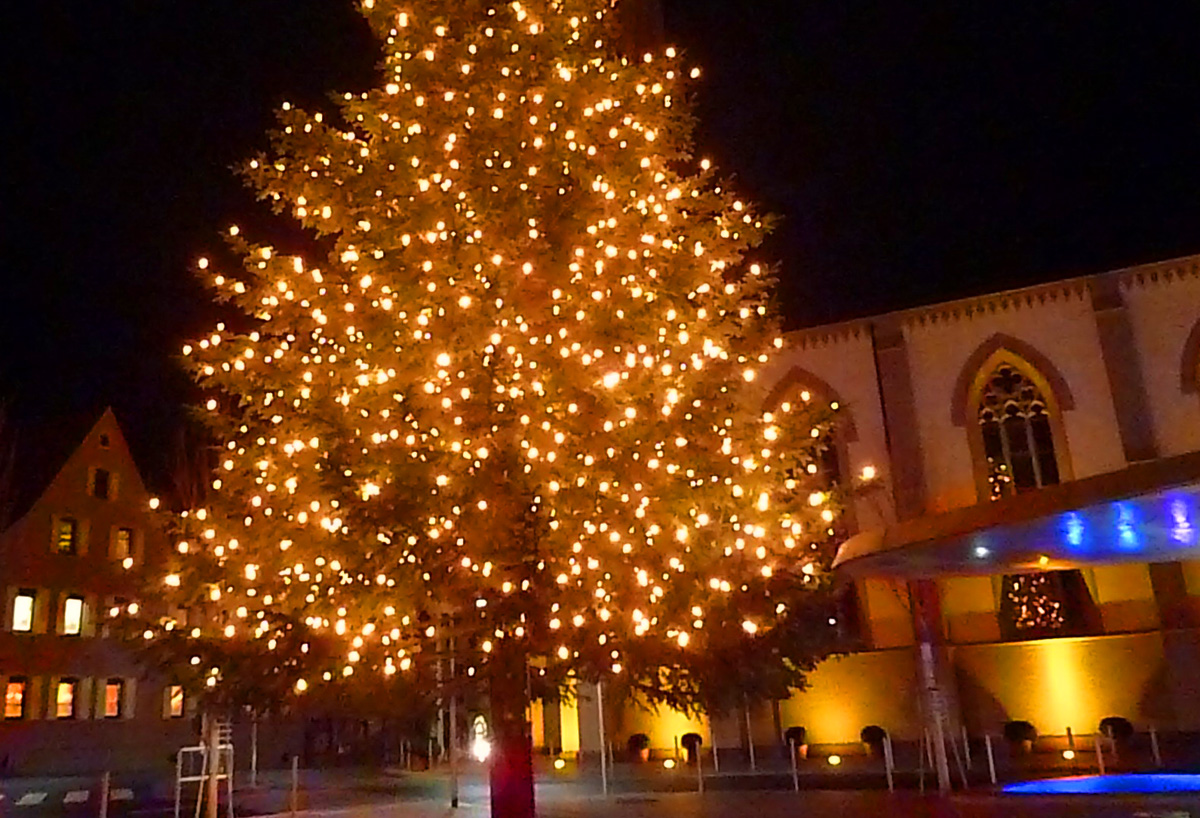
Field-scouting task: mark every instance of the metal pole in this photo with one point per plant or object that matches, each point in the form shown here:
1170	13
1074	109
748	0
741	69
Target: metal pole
453	742
254	750
1154	751
1099	753
921	752
212	783
962	771
178	782
295	784
712	734
935	705
699	770
966	746
987	740
105	782
795	769
889	762
603	742
750	739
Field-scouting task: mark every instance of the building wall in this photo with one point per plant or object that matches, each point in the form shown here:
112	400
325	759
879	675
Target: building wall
1162	308
897	378
144	733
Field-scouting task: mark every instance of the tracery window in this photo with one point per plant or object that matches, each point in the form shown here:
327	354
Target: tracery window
1018	445
1017	439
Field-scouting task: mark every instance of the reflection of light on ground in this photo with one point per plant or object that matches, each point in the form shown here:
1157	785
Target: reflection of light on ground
1132	783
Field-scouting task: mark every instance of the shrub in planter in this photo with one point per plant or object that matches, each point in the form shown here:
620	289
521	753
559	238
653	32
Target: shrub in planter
639	747
1116	728
797	737
1020	734
872	737
691	745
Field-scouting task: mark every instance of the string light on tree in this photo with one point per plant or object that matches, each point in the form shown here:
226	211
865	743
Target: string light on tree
518	403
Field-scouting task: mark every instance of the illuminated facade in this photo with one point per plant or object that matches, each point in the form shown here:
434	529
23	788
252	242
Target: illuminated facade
1034	514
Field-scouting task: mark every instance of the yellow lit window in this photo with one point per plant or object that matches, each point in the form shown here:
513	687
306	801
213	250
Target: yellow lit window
65	535
14	699
64	699
123	544
114	693
175	701
73	616
23	612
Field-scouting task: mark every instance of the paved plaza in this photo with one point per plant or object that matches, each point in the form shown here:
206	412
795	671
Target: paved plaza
792	805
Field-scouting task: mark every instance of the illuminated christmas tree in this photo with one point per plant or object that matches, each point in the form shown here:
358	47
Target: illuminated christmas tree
511	412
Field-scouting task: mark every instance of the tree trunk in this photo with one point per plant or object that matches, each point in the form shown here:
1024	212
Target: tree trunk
511	775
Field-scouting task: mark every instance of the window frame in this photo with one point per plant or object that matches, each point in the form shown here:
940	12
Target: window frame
23	682
169	708
74	685
57	539
96	481
129	544
79	626
31	595
975	432
119	684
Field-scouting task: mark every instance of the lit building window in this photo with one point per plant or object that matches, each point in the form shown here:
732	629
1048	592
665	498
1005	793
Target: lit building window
73	616
14	698
64	699
66	535
114	694
101	480
1017	440
175	701
23	611
123	543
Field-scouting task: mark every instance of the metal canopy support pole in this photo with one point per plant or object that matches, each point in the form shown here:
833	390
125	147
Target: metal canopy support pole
935	705
603	743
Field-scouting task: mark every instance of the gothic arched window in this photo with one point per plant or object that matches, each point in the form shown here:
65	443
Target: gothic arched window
1017	439
1017	429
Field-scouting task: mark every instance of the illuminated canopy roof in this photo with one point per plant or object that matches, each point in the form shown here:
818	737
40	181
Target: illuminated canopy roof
1148	512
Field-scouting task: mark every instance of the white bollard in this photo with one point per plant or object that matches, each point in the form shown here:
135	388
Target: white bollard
987	742
889	762
795	767
105	783
295	784
603	741
1099	753
1154	751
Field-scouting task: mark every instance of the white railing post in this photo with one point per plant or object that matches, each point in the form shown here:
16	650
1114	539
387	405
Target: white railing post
991	757
889	762
603	742
1099	753
105	783
795	766
1154	750
295	784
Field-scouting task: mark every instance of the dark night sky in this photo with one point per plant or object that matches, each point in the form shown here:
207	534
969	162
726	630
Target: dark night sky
917	152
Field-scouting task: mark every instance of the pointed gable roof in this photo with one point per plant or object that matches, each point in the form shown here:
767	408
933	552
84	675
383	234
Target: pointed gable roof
40	451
